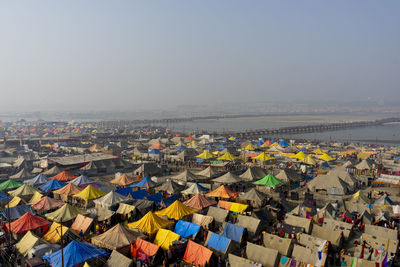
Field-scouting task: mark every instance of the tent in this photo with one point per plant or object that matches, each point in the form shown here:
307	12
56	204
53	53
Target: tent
176	211
199	202
81	223
223	192
309	160
75	253
21	174
227	178
202	220
308	256
234	232
150	223
227	157
117	237
251	224
90	192
197	254
15	201
326	157
52	185
205	155
27	242
53	235
27	223
46	203
236	261
263	157
64	176
283	245
254	195
146	182
117	259
335	237
164	238
195	188
145	247
170	187
125	209
123	180
300	156
311	242
269	181
36	196
110	199
124	191
345	228
266	256
218	242
299	222
363	165
9	184
208	172
37	180
68	190
253	173
218	214
65	213
16	212
331	183
186	229
53	171
82	180
186	176
382	232
289	175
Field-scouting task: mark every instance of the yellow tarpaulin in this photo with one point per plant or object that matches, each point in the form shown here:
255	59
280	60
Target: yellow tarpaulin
301	156
54	233
326	157
86	265
227	156
37	196
309	160
28	241
15	201
125	208
318	151
264	157
164	238
150	223
237	207
205	155
249	147
90	192
176	211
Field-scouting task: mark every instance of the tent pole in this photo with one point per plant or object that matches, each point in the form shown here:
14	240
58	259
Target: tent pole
62	246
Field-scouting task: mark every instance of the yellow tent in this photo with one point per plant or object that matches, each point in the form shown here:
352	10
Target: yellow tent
86	265
27	242
232	138
90	192
36	196
318	151
150	223
125	208
54	234
300	155
309	160
237	207
274	144
227	156
263	157
326	157
65	213
217	153
164	238
176	211
205	155
249	147
15	201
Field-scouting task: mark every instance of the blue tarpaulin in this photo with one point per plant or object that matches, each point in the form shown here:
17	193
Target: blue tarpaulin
154	152
233	232
283	143
142	183
140	194
3	197
125	191
75	253
308	176
186	229
218	242
52	185
16	212
156	198
169	200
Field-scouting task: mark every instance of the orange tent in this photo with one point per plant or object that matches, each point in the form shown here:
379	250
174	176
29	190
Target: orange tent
158	146
46	203
189	138
223	192
27	223
197	254
226	205
145	247
268	143
123	180
64	177
81	223
199	202
68	190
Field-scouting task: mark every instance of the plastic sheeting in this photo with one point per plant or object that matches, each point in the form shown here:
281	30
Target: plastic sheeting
218	242
233	232
197	254
186	229
164	238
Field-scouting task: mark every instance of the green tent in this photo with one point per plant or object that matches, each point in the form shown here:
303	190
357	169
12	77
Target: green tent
270	181
9	184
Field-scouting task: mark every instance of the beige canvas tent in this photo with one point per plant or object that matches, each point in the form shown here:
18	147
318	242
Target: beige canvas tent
117	259
266	256
299	222
308	256
218	214
346	228
251	224
382	232
236	261
283	245
335	237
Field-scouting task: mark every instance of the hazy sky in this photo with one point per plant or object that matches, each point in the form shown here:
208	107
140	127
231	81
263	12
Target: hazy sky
125	55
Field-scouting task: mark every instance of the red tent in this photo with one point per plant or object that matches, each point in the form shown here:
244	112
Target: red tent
158	146
189	138
64	176
27	223
46	203
199	202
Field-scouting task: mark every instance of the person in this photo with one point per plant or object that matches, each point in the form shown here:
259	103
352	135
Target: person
81	234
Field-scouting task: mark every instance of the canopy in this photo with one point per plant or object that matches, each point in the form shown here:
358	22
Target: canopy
75	253
217	242
309	160
65	213
125	209
123	180
27	223
233	232
68	190
27	242
318	151
46	203
197	254
82	180
176	211
205	155
16	212
81	223
145	247
300	155
223	192
270	181
363	165
36	196
150	223
21	174
186	176
227	156
227	178
207	172
110	199
254	195
90	192
9	184
164	238
199	202
253	173
186	229
53	171
64	176
326	157
170	187
195	188
117	237
15	201
146	182
52	185
117	259
53	235
37	180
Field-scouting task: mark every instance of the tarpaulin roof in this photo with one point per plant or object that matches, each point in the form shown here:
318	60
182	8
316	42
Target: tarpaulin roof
26	223
117	259
27	242
15	201
176	211
168	201
253	195
74	253
3	196
146	182
52	185
227	178
186	176
125	191
326	157
81	223
9	184
36	196
197	254
207	172
90	192
125	208
37	180
82	180
46	203
140	194
217	242
195	188
53	235
253	173
164	238
233	232
64	176
199	202
170	187
186	229
65	213
266	256
110	199
68	190
52	171
123	180
150	223
202	220
205	155
117	237
16	212
21	174
223	192
227	156
270	181
146	247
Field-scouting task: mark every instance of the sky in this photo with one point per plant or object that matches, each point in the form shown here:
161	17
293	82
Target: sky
132	55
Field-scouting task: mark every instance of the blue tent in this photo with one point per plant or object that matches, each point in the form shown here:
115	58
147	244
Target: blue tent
169	200
186	229
125	191
156	198
233	232
180	148
3	197
218	242
260	142
82	180
75	253
16	212
37	180
139	194
283	143
51	185
154	152
144	183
